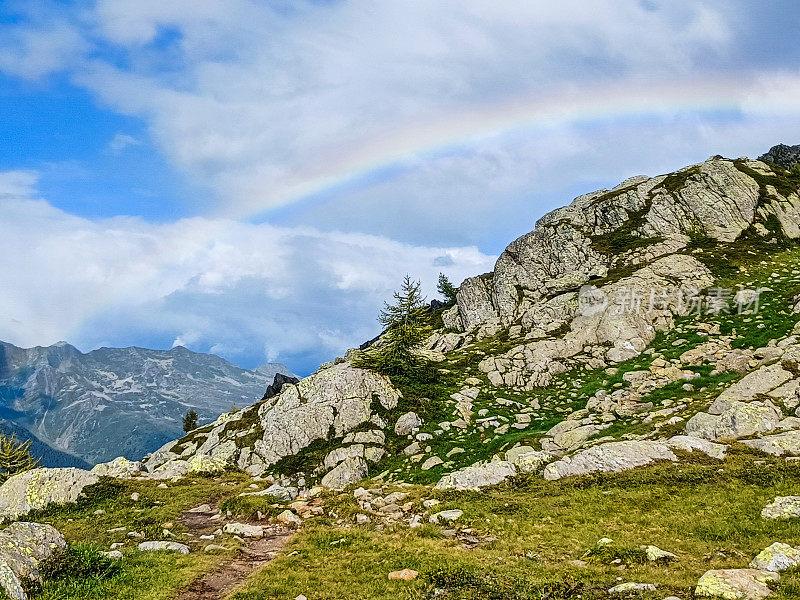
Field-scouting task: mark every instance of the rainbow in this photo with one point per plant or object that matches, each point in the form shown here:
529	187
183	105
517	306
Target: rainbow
444	135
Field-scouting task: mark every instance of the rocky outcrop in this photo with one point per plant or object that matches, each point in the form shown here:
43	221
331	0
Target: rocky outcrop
617	319
22	547
782	155
635	223
325	406
277	384
39	488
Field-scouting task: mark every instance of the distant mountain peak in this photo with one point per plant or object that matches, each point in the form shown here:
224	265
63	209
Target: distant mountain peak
118	401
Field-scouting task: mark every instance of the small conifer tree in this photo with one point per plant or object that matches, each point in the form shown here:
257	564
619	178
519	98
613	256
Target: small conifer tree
407	327
190	421
15	457
447	289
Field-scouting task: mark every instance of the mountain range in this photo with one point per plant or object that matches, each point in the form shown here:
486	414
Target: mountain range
80	408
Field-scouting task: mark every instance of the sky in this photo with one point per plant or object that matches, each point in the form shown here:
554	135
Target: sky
253	179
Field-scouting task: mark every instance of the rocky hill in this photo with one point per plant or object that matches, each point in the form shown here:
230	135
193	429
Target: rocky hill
614	411
651	317
115	401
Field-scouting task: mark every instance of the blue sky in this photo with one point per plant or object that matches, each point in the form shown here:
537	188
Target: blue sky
254	178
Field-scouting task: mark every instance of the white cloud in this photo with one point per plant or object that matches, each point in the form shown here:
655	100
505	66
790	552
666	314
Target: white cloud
296	294
265	103
120	141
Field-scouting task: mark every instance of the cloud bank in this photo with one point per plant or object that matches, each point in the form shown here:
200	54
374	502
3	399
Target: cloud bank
248	292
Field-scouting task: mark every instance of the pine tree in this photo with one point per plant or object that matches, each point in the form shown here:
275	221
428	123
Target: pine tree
15	457
406	328
447	289
190	421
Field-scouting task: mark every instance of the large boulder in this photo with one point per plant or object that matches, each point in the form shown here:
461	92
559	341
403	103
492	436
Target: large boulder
407	423
735	584
39	488
120	467
777	444
732	419
22	547
477	476
610	457
350	470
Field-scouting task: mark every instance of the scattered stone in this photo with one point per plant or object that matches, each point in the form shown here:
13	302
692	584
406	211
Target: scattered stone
625	588
244	530
214	548
287	517
447	515
404	575
407	423
777	557
161	546
783	507
656	554
433	461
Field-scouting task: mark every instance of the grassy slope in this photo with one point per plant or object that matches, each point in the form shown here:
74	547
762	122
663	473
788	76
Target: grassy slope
704	511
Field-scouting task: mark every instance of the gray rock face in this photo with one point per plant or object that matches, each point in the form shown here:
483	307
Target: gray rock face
612	456
347	472
715	198
39	488
613	321
22	547
477	476
119	401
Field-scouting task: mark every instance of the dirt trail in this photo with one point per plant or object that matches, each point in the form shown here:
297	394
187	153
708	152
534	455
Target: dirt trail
230	572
